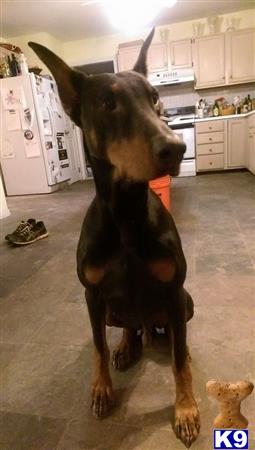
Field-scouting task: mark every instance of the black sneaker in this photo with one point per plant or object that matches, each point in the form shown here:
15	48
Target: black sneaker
22	224
29	234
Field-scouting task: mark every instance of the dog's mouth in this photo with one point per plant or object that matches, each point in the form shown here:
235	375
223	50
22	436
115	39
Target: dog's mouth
169	152
175	170
172	169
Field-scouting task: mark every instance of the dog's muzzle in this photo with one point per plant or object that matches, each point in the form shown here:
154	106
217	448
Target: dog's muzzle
169	153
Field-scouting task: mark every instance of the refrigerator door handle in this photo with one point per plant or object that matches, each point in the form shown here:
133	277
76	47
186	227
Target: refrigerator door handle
51	123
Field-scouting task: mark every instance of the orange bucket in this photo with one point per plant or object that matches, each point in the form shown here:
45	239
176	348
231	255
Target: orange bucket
161	186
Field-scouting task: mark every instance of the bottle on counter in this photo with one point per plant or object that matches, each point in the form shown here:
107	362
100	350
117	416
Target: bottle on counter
13	64
200	108
9	62
245	106
5	69
216	110
249	103
22	64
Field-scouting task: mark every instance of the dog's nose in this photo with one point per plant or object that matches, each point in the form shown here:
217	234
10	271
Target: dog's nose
167	149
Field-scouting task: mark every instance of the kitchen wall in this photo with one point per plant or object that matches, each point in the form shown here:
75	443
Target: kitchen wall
77	52
43	38
185	95
85	50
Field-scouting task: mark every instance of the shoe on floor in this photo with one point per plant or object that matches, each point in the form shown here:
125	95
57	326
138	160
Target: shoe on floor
29	234
21	225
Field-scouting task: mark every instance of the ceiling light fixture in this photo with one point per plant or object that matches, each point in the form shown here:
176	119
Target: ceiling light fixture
131	15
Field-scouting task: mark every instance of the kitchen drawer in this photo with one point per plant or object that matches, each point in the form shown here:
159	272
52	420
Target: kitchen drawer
210	149
213	125
210	138
210	162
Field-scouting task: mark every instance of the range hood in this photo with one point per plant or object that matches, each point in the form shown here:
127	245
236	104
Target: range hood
171	77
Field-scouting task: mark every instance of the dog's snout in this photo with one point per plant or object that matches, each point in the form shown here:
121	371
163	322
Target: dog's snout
169	149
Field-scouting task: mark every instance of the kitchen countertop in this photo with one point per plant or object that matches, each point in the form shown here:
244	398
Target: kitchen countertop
231	116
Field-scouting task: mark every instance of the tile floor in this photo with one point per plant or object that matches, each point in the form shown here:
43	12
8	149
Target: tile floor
45	337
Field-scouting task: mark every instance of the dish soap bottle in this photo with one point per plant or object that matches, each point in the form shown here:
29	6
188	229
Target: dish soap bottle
216	110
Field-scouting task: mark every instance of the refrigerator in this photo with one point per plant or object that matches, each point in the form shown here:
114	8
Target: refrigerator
34	150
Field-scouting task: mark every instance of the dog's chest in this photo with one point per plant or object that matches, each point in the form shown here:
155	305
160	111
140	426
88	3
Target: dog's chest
132	293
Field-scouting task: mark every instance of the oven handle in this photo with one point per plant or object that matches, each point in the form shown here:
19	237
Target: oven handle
180	126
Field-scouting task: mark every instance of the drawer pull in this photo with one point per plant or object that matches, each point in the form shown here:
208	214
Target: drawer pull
210	139
210	149
210	128
210	163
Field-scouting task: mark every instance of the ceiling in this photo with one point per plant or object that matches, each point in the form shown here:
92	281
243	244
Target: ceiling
68	20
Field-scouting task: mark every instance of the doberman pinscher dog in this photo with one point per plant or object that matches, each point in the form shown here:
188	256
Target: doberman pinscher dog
129	257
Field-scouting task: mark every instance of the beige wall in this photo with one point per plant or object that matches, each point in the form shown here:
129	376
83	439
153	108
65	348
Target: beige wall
80	51
42	38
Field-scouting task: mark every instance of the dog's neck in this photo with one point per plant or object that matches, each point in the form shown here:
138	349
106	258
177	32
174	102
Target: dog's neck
126	200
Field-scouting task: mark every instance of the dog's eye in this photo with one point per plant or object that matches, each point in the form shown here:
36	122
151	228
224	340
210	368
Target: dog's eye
109	102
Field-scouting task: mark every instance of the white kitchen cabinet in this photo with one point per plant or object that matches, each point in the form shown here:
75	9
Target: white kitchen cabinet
209	61
157	57
251	144
127	56
251	151
180	54
236	148
210	145
240	56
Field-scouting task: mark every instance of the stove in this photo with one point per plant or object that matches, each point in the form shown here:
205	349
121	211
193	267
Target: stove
181	121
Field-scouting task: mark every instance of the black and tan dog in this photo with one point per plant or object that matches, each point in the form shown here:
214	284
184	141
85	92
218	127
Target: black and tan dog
130	257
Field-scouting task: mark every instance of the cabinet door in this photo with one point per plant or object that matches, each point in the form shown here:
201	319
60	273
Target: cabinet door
181	54
209	61
157	57
237	143
240	47
251	151
127	57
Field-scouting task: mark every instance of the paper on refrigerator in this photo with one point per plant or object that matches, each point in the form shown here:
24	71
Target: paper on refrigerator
32	148
13	98
12	118
6	149
27	118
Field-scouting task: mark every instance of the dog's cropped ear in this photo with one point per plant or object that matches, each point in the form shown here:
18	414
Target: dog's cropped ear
69	81
141	63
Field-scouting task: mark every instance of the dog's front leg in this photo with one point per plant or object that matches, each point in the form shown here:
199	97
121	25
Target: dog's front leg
102	393
187	421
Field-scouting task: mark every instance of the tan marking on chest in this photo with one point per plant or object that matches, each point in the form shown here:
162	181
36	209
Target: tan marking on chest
94	274
163	269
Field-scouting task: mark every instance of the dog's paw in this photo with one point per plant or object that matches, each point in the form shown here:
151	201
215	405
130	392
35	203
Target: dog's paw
102	398
126	354
187	424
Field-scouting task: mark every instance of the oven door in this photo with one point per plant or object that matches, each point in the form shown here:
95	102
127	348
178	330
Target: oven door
187	136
